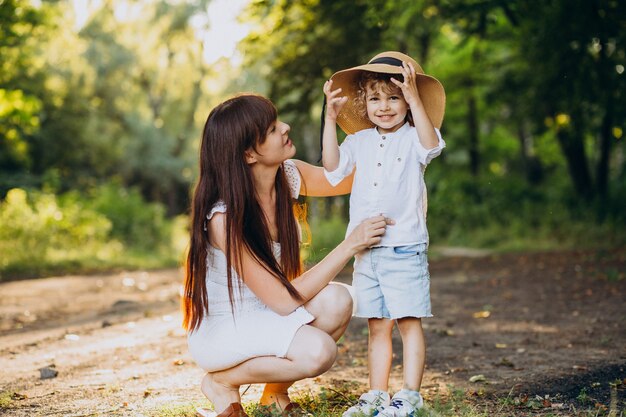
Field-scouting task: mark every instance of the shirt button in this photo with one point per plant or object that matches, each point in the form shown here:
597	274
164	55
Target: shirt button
382	145
384	137
379	164
399	159
375	184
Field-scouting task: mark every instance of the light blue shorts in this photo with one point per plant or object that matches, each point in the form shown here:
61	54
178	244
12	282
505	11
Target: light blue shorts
392	282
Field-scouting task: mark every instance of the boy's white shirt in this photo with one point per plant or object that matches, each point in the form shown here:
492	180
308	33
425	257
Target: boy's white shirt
389	180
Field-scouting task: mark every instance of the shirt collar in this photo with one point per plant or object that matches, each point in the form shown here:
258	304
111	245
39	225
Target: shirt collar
401	131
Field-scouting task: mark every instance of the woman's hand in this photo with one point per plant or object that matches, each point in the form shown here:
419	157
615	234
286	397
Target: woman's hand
369	233
334	103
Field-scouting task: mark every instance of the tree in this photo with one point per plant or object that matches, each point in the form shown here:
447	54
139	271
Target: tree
22	26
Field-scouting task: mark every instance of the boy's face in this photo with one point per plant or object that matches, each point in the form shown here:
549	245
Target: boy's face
386	107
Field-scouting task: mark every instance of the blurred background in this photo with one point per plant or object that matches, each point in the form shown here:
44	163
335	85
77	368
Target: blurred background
102	103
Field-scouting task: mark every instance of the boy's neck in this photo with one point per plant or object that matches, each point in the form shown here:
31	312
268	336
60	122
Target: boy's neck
394	129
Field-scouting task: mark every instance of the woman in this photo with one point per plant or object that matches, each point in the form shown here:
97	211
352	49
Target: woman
252	314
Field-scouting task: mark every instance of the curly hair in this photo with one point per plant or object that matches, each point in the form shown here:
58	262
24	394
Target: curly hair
377	81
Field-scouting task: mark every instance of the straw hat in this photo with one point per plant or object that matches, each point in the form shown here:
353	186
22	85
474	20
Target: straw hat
351	120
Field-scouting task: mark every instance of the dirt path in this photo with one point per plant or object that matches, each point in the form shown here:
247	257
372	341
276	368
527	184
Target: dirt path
521	324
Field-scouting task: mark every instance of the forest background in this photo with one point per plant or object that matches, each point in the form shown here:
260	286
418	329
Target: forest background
101	114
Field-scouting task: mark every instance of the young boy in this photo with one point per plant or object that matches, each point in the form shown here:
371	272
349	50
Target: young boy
391	112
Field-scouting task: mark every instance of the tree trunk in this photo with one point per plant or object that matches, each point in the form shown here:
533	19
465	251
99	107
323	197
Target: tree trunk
571	142
531	164
602	173
472	128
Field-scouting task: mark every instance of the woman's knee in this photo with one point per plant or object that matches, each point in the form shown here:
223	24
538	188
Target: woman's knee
324	358
320	356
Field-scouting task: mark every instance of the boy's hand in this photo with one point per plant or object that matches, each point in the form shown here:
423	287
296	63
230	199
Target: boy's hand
409	86
334	102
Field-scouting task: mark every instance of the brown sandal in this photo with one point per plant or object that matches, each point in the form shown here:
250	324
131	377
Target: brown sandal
233	410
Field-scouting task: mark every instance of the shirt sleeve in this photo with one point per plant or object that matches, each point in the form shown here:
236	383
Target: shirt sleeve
293	177
426	155
346	162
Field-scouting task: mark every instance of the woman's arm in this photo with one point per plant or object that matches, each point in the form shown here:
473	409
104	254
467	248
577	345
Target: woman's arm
272	292
315	184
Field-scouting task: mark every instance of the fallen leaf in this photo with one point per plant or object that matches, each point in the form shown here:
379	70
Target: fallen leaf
477	378
178	362
482	314
501	345
505	362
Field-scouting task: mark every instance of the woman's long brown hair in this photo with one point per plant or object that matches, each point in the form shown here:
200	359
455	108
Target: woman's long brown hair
232	128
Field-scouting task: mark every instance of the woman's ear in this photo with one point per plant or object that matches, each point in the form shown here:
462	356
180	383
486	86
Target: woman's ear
250	156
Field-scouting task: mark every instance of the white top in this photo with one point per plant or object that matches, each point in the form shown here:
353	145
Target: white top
389	180
217	279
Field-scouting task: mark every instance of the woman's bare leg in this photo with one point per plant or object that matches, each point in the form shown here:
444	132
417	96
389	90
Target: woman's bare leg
332	308
311	353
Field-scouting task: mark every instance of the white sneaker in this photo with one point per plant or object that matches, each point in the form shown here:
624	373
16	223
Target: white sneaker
404	404
368	404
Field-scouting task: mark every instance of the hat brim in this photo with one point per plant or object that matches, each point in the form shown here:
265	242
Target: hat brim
351	119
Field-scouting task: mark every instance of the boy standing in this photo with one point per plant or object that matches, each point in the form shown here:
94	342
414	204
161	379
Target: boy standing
391	111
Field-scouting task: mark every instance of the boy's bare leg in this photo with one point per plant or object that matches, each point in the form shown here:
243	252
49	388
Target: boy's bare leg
380	353
413	351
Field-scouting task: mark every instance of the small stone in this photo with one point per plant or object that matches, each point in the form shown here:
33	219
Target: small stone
48	372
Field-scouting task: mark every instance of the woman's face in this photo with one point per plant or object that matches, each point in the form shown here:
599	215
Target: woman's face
277	146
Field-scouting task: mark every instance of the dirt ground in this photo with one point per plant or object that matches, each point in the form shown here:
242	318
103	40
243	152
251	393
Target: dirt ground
527	333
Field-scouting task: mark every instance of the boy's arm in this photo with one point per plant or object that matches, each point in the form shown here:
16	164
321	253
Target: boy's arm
330	147
425	129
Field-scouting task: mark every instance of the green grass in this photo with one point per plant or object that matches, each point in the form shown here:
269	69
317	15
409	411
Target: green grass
175	410
332	401
90	263
6	399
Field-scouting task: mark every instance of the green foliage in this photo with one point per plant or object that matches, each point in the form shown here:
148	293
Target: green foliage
43	234
326	234
38	229
18	117
507	213
134	221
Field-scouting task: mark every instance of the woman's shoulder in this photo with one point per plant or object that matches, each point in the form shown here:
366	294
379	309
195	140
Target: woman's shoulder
215	224
219	207
293	177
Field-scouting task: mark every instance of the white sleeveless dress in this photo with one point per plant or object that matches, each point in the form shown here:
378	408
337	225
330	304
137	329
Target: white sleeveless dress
225	339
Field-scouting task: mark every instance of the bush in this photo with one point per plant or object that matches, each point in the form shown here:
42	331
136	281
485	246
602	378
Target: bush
44	234
326	234
39	229
134	221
